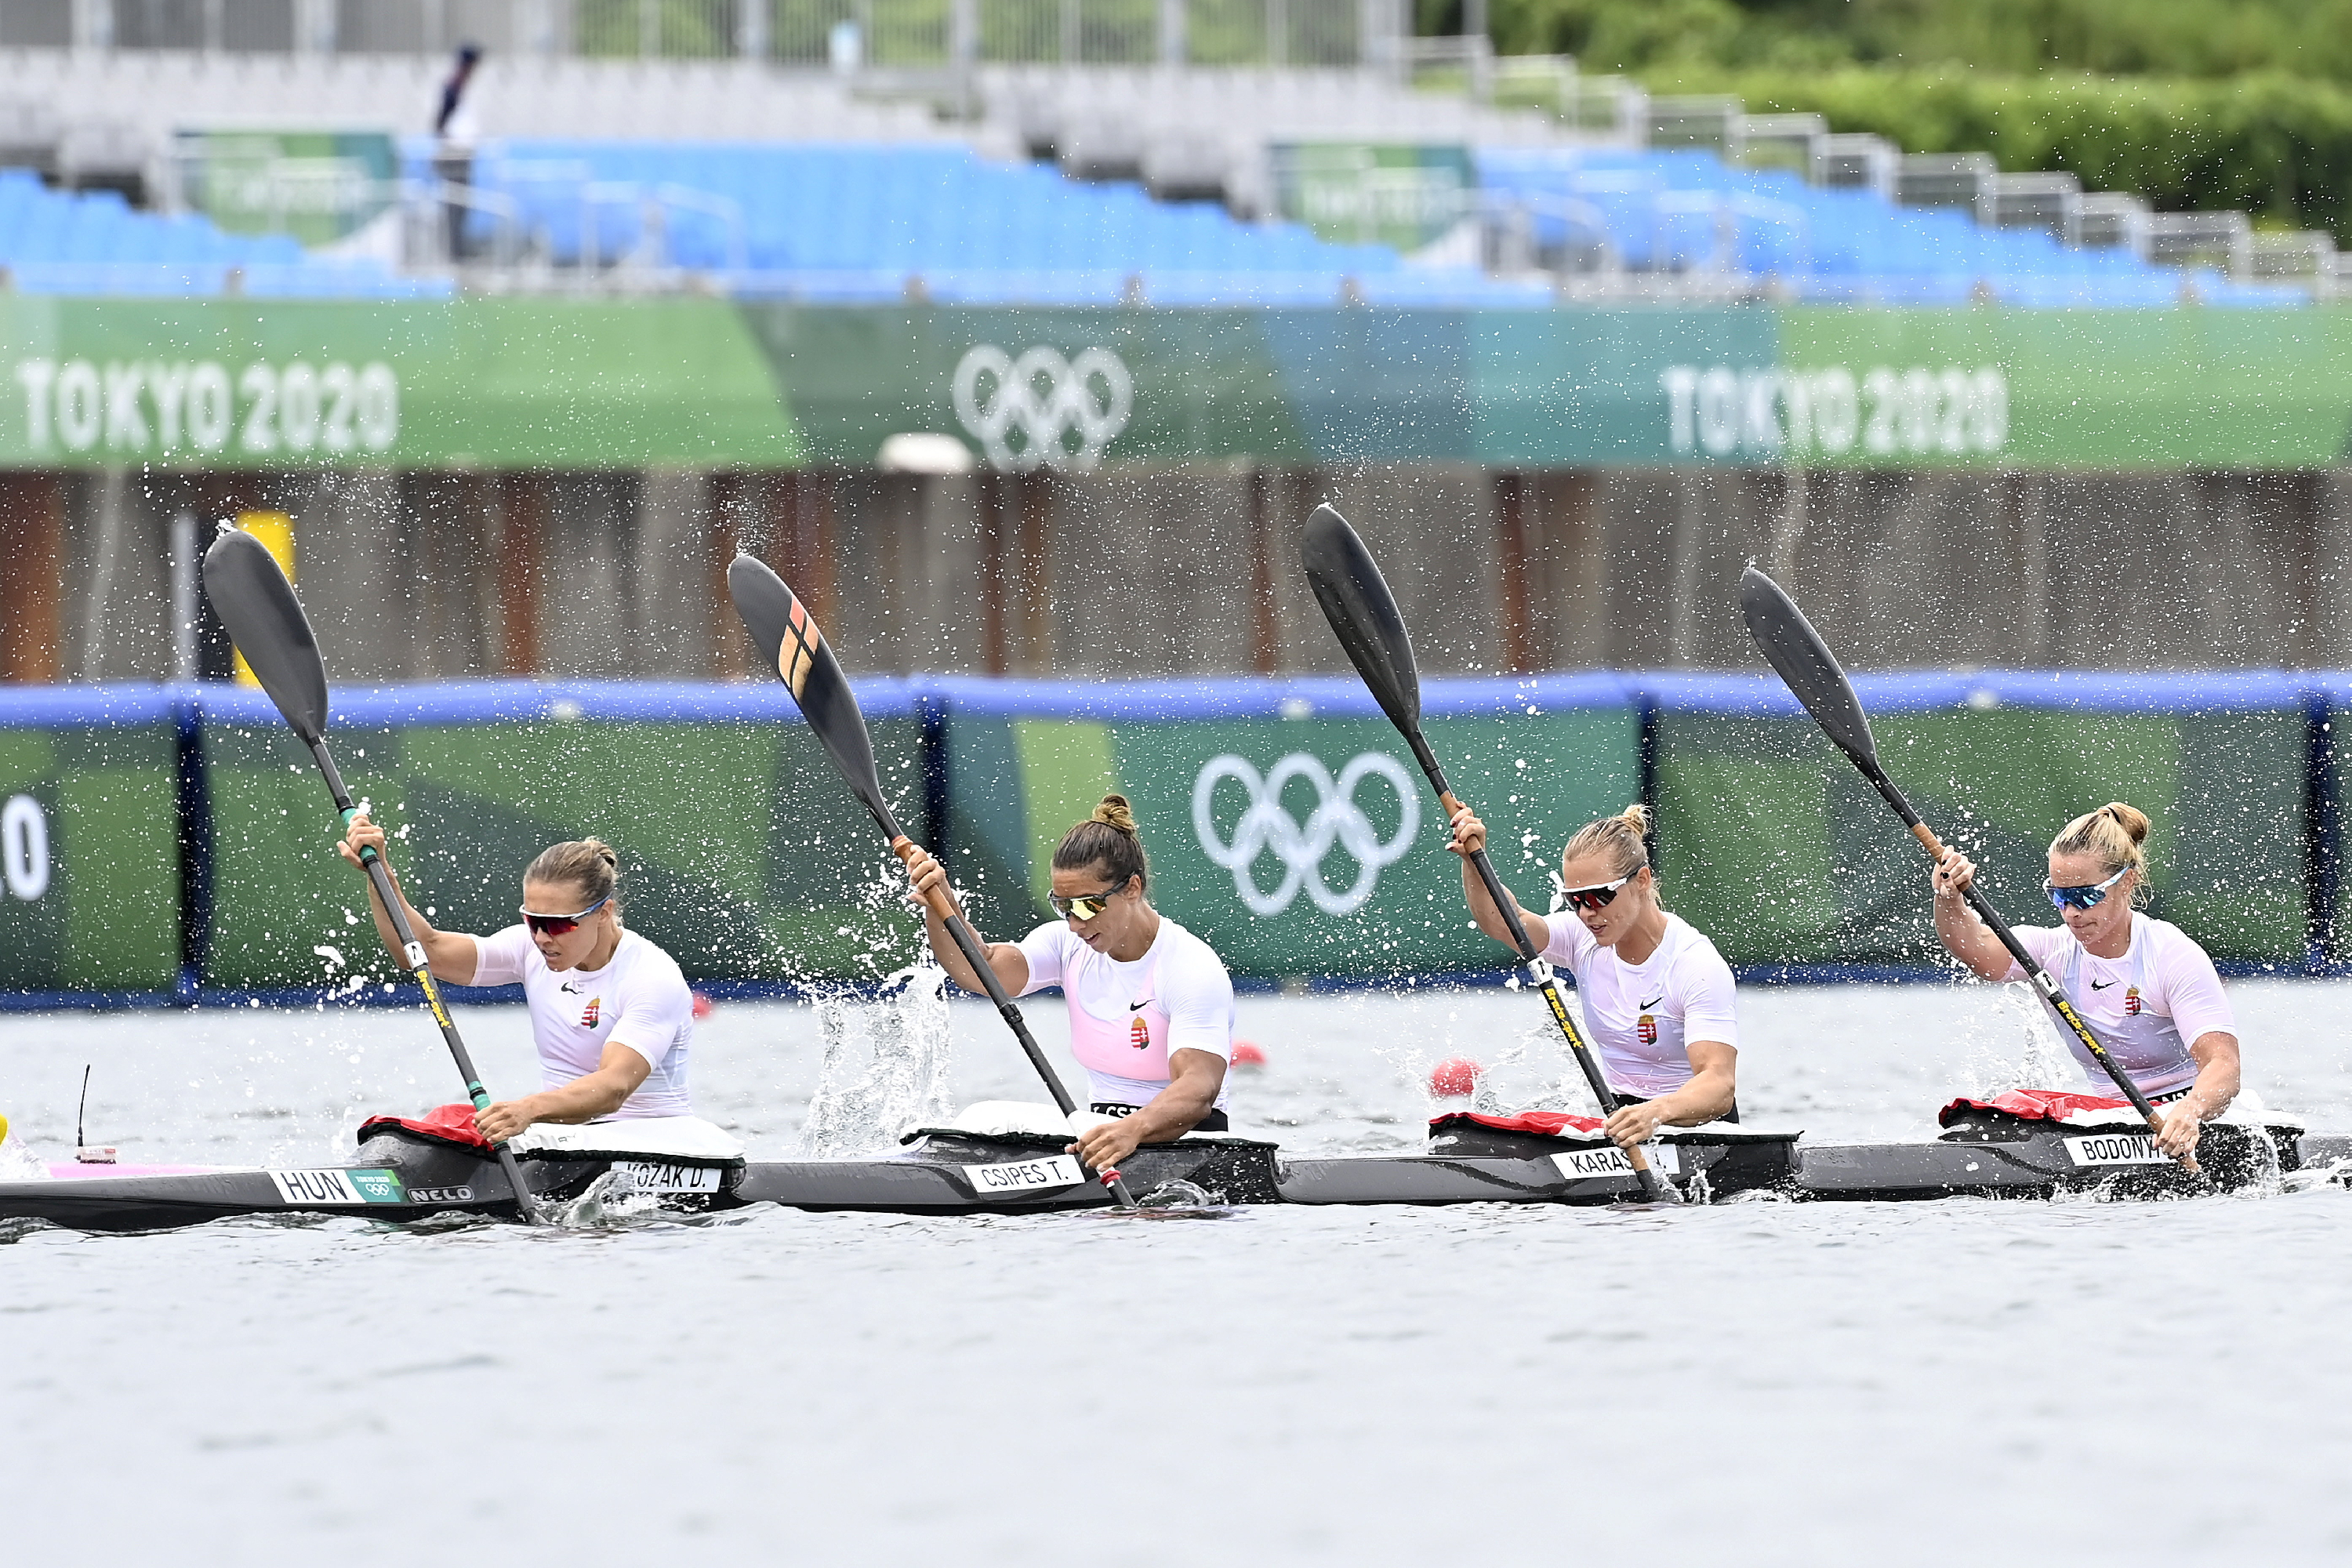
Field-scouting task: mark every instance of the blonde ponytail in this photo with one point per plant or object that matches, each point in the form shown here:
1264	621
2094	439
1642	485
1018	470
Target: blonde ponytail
2116	836
1619	840
587	864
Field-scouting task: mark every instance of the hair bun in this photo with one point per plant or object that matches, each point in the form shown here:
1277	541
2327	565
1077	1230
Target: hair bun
1637	817
2131	819
1114	812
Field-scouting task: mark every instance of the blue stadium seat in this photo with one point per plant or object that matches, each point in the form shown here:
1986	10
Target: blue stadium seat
870	216
1687	210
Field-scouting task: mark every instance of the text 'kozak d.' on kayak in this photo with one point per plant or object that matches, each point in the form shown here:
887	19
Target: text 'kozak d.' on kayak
1150	1004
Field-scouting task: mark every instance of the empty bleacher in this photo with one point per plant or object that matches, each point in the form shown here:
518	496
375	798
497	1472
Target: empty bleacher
1613	217
736	174
94	243
849	222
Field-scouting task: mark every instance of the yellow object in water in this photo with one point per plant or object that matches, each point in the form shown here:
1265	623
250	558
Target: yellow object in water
275	532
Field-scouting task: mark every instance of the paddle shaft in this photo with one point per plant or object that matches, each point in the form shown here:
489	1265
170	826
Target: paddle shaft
2040	978
942	904
412	957
1509	908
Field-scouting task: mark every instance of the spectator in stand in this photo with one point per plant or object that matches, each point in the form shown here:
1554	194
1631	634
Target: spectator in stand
455	130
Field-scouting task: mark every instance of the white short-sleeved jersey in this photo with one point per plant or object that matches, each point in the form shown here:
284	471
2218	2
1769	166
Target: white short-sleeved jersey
2147	1007
1126	1019
1641	1016
639	999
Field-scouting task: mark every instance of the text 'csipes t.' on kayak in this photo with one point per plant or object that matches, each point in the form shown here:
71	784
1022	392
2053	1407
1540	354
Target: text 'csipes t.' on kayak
1009	1158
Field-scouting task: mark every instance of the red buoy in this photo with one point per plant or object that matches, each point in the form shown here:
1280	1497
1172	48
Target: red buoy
702	1005
1248	1054
1455	1078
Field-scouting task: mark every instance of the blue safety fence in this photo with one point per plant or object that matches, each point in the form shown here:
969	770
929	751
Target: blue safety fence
171	844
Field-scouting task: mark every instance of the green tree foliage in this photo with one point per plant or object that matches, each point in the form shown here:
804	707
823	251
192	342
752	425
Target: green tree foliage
2190	104
2201	38
2277	146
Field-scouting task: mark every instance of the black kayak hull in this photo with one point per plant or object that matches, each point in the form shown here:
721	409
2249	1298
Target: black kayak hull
947	1172
403	1180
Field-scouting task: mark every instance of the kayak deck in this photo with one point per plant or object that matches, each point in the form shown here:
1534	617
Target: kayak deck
945	1172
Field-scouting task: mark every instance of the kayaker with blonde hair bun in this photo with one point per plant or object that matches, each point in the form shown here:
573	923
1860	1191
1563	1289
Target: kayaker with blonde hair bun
1659	1003
1151	1005
2145	989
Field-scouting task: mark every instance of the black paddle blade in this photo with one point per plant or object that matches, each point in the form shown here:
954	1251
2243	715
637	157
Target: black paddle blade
264	618
789	640
1363	613
1802	659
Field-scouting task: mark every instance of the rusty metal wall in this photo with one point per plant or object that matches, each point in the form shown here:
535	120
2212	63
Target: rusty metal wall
1192	570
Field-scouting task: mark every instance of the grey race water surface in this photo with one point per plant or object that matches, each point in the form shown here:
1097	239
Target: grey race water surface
1770	1383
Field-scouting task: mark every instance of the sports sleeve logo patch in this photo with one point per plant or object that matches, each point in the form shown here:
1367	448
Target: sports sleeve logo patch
590	1014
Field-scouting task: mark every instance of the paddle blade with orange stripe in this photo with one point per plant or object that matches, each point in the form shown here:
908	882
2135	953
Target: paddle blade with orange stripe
796	651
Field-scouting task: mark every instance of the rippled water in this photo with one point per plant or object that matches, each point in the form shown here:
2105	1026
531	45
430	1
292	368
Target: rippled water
1929	1383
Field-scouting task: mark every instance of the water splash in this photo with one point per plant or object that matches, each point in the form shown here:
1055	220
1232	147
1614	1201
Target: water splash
886	1065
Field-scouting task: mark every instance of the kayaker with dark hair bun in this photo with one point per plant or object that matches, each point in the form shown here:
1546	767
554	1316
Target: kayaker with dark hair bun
1151	1005
610	1013
2143	985
1658	999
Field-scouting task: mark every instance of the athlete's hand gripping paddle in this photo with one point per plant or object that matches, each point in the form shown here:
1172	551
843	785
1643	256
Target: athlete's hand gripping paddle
1797	653
264	618
789	639
1363	614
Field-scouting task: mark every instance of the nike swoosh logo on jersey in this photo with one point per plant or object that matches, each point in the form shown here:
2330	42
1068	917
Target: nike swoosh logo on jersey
1653	1001
1138	1007
2101	985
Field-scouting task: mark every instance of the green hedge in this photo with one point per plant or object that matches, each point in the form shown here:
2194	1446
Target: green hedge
2276	145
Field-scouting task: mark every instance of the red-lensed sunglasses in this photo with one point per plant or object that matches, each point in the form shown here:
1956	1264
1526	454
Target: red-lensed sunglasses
1601	894
561	925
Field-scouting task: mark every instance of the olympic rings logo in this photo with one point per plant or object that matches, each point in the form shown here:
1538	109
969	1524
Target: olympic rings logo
1267	825
1064	412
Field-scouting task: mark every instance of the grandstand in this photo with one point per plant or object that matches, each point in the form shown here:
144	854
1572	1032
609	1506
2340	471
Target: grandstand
966	169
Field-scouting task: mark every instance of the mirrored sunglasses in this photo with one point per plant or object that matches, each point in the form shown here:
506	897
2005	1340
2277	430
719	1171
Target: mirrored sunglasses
561	925
2089	896
1085	907
1601	894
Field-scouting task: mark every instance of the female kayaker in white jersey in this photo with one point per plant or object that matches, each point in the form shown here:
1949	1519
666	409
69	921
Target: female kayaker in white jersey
610	1012
1658	998
1151	1008
2144	986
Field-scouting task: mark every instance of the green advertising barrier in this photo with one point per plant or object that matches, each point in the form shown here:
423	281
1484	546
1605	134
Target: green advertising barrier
741	853
1576	387
1286	824
1772	845
90	840
546	383
293	384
